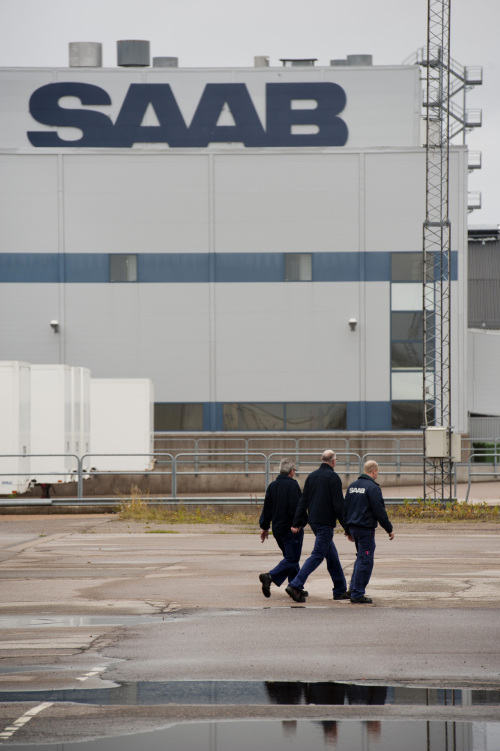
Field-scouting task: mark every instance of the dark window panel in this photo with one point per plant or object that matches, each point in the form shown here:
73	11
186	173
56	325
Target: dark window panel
258	416
406	326
298	267
407	355
123	267
316	416
406	267
407	415
178	416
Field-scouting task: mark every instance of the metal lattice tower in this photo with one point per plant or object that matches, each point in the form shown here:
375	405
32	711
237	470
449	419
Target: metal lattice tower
436	253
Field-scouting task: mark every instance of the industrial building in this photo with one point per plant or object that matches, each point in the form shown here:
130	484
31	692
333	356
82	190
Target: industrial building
248	238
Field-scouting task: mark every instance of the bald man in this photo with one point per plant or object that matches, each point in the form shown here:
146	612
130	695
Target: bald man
364	510
321	504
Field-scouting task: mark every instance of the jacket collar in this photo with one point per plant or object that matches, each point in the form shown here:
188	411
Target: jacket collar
367	477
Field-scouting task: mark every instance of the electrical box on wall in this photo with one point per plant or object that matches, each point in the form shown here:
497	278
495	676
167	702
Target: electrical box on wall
456	447
436	443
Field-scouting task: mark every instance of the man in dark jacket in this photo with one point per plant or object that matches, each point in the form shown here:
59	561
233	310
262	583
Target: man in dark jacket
280	504
364	509
322	497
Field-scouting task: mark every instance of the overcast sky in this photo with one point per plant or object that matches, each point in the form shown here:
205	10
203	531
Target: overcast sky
36	33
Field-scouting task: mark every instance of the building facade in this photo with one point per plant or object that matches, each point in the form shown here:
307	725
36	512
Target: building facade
249	239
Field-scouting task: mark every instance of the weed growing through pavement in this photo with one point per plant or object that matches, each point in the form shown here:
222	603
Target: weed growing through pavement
448	512
136	508
139	509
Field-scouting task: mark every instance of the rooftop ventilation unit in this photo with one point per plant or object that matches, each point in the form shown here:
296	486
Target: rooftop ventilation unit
85	55
360	60
165	62
133	53
292	62
339	63
261	61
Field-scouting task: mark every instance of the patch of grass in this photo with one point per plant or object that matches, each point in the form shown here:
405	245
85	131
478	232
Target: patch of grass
137	509
450	512
162	532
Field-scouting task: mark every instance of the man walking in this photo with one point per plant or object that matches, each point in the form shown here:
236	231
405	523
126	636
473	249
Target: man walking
322	498
364	509
280	504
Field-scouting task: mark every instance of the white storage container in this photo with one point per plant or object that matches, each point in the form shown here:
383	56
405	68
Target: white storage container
80	410
51	424
121	422
14	427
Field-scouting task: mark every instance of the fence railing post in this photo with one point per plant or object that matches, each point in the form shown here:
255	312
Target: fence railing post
174	477
80	478
196	458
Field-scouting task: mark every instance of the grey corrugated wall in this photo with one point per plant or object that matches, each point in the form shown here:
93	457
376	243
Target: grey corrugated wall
484	285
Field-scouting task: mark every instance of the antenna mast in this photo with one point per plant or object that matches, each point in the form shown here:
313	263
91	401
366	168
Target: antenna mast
437	479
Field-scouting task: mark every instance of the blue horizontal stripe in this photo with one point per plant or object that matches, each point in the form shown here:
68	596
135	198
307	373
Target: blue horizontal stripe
86	267
29	267
72	268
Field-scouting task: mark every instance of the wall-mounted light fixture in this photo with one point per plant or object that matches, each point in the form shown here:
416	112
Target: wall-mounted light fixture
55	326
353	323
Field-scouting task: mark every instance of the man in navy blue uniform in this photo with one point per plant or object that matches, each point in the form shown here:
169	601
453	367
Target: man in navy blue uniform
322	498
280	504
364	509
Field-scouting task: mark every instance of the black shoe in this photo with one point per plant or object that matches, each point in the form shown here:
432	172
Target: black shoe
306	594
266	582
361	600
345	596
295	594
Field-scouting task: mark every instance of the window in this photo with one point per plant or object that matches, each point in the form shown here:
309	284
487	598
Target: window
123	268
298	267
257	416
407	415
407	355
178	416
406	267
407	326
316	416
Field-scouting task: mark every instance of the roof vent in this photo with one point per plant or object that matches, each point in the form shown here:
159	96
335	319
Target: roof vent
339	62
261	61
292	62
85	55
165	62
133	53
360	60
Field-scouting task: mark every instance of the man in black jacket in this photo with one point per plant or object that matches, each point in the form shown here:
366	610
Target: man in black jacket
280	504
364	509
322	497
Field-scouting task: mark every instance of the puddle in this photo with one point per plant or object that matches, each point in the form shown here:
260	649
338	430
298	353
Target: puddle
297	735
329	693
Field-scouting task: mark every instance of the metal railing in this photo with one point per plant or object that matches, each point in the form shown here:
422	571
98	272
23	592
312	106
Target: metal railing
495	473
480	464
344	464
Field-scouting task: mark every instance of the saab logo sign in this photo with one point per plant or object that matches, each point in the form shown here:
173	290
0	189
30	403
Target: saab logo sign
282	113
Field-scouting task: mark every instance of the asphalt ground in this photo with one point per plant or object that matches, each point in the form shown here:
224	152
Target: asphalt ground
196	612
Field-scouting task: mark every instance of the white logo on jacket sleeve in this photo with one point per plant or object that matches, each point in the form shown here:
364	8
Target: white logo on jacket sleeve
357	490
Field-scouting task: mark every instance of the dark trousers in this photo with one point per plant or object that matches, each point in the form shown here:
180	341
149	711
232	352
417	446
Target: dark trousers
364	540
291	547
323	548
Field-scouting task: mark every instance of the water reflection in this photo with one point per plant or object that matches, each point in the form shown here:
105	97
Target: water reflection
292	735
328	693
